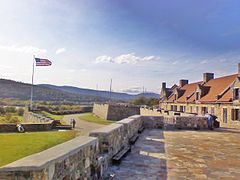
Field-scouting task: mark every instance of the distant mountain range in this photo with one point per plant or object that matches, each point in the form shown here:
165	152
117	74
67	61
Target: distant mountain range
48	92
104	94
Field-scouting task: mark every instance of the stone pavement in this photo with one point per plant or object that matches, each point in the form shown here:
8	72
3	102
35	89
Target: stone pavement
182	155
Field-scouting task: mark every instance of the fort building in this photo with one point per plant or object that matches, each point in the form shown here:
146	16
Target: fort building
217	96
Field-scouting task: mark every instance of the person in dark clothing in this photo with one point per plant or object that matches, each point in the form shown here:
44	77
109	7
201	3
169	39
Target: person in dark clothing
73	123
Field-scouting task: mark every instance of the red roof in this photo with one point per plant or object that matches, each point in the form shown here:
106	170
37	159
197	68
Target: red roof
188	89
217	87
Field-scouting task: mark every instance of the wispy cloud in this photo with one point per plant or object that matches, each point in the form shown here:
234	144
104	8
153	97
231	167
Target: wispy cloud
125	59
23	49
60	50
204	61
175	62
133	90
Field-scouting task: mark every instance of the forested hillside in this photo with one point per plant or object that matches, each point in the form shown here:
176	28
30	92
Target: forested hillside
19	90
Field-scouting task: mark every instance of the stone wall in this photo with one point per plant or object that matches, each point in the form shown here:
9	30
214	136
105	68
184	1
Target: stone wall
75	159
188	122
89	157
30	117
111	139
27	127
215	109
153	121
101	110
150	112
115	112
131	126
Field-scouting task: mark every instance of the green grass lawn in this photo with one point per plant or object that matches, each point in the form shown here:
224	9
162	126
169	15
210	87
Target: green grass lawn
89	117
56	117
14	146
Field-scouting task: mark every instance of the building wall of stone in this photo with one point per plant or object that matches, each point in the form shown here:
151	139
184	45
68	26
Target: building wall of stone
114	112
217	108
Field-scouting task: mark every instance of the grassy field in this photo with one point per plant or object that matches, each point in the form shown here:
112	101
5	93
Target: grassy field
14	146
89	117
56	117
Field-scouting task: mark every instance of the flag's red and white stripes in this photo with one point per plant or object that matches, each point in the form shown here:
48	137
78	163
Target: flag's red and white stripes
42	62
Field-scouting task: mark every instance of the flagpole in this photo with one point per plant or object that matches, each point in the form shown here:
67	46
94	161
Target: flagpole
31	101
110	92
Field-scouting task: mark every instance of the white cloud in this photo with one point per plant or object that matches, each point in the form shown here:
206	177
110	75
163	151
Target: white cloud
104	59
125	59
204	62
23	49
175	62
60	50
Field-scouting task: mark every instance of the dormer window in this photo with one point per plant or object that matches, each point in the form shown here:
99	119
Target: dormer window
197	96
175	97
236	93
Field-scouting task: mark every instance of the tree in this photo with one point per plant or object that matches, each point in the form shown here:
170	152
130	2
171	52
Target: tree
144	101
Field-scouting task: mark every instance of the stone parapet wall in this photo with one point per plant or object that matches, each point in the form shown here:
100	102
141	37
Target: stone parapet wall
111	138
101	110
118	112
75	159
153	121
131	126
114	112
191	122
150	112
30	117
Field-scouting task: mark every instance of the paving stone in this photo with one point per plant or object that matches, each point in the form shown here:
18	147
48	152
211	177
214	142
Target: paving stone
182	155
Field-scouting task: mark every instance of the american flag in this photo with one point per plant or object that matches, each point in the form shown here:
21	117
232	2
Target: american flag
42	62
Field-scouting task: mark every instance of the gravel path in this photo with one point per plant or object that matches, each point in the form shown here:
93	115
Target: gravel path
83	128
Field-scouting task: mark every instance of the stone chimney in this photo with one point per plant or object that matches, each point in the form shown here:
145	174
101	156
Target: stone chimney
238	69
207	77
164	85
183	82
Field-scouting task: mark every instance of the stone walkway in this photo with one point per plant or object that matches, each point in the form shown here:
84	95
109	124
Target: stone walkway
182	155
82	127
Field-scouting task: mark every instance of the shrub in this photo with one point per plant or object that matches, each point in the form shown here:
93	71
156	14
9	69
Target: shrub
10	109
20	111
2	111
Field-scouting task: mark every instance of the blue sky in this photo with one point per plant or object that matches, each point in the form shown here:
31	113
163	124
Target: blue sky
136	43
